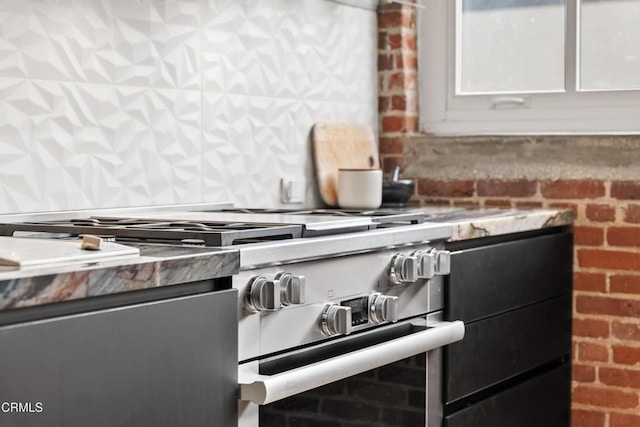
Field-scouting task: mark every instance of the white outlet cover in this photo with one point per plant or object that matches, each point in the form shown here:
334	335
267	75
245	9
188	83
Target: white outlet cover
292	190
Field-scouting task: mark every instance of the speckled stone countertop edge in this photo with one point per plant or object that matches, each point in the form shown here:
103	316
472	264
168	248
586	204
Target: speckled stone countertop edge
164	266
155	268
496	222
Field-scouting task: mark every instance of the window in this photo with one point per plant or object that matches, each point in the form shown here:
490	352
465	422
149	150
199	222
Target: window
530	66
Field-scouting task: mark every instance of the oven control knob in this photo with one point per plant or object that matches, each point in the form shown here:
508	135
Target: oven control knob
443	262
383	308
263	294
426	264
336	319
404	269
291	288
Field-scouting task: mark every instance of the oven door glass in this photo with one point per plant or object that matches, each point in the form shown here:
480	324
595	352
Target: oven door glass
392	395
383	377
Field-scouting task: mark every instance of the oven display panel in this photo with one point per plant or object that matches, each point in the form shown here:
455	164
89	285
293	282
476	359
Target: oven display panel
359	310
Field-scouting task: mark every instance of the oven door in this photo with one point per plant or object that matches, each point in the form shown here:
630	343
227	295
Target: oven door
351	379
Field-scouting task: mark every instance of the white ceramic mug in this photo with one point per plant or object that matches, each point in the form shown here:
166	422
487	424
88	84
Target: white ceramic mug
359	188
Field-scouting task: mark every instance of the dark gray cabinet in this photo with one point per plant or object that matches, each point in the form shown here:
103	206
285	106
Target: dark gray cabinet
514	406
171	362
514	295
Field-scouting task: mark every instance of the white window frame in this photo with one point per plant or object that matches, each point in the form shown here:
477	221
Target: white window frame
565	113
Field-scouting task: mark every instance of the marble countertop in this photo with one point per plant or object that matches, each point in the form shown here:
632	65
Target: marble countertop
155	267
171	265
471	223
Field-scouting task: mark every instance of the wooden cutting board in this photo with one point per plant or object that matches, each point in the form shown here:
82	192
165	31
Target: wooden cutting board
341	145
27	252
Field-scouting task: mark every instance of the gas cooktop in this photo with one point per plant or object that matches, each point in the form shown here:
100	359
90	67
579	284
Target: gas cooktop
220	227
379	216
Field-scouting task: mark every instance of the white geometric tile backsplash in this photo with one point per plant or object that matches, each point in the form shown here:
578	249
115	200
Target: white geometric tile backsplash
115	103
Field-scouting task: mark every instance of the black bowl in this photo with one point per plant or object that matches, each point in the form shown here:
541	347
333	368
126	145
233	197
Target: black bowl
397	193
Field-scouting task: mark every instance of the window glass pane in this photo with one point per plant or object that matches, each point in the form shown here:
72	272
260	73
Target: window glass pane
510	46
609	44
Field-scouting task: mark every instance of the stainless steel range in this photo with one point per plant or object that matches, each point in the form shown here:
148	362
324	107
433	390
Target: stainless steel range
323	295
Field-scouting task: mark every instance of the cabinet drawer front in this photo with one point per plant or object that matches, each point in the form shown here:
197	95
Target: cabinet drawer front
495	278
502	347
541	401
165	363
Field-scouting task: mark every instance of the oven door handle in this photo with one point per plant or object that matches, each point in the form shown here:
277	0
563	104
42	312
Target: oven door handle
264	389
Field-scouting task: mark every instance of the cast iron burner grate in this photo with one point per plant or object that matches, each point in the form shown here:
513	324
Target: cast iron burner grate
381	217
206	233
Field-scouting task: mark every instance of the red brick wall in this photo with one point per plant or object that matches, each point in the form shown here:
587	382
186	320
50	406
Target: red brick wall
606	349
398	80
606	342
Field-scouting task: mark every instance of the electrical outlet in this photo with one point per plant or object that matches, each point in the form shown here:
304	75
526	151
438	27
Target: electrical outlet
292	190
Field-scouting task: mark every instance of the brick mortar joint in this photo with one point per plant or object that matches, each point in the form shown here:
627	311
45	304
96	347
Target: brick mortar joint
606	410
615	295
396	92
394	134
388	74
396	9
607	342
389	51
394	113
385	91
608	317
398	70
395	30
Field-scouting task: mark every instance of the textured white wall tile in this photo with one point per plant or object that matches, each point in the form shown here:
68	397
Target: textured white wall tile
62	40
147	152
109	103
241	50
37	147
75	145
310	60
245	140
157	43
289	48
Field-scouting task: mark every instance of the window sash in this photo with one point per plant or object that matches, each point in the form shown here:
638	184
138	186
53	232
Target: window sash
568	112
